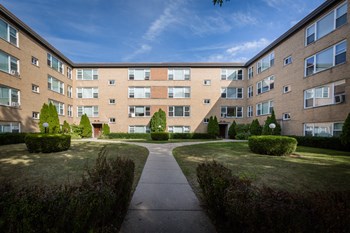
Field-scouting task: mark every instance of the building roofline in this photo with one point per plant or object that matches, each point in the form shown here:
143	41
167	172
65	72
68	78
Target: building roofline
24	27
306	20
159	64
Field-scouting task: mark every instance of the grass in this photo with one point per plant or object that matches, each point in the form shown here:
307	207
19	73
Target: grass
22	168
309	169
162	142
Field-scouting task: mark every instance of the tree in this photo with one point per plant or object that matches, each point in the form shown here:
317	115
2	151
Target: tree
86	126
216	126
213	126
345	135
266	129
48	114
219	2
255	128
66	127
105	129
158	122
232	130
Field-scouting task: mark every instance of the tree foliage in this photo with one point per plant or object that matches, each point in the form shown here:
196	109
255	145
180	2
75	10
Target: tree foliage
219	2
66	127
255	128
106	129
158	122
48	114
345	136
213	126
232	130
266	129
86	126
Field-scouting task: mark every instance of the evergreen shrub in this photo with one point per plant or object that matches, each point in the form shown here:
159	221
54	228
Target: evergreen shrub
272	145
47	143
160	136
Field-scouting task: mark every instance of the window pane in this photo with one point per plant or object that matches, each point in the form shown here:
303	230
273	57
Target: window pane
4	66
179	111
325	25
324	60
4	96
3	30
87	74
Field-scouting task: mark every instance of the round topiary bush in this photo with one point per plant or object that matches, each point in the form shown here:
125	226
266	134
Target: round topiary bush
47	143
160	136
272	145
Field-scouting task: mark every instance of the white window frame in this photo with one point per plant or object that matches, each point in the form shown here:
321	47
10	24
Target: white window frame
35	88
186	111
270	60
94	109
59	106
60	64
236	73
314	59
11	103
184	128
15	127
185	91
69	91
35	61
112	101
36	115
112	120
146	111
146	74
145	95
239	92
111	82
250	91
11	62
250	111
132	128
259	107
286	116
207	82
70	111
206	101
69	72
287	61
8	33
321	125
185	76
81	91
250	72
81	76
50	81
287	89
205	120
237	109
265	85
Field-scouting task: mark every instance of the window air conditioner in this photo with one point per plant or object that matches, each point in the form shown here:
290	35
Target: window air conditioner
131	114
14	73
339	99
15	104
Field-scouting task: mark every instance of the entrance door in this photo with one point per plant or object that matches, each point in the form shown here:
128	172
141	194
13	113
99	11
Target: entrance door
97	130
223	130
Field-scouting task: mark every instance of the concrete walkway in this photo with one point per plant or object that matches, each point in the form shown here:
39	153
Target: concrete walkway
163	200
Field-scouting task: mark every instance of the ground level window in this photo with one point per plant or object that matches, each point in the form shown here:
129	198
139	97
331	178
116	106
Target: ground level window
329	129
10	127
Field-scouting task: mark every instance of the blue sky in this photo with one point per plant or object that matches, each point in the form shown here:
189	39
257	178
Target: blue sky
160	30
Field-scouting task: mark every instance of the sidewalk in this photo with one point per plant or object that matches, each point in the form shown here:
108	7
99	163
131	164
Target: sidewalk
163	200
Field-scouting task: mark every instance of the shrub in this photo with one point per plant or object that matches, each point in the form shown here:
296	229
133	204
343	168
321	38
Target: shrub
106	129
345	136
158	121
213	126
47	143
333	143
191	136
266	129
213	179
255	127
12	138
146	136
86	127
98	204
232	130
48	114
160	136
203	136
243	136
272	145
66	127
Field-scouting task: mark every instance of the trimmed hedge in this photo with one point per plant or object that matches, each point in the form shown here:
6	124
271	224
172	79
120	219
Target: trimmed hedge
191	136
238	206
47	143
12	138
272	145
333	143
160	136
146	136
98	204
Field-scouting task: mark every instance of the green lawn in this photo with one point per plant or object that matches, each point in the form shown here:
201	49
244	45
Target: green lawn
162	142
308	169
22	168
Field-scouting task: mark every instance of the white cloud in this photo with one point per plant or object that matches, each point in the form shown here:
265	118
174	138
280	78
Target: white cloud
144	48
248	46
243	19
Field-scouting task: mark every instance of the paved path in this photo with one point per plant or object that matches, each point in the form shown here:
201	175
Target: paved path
163	200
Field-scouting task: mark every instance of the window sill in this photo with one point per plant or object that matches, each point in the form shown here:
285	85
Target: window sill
328	69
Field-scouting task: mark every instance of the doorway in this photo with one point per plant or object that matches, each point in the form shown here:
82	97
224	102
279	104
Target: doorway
97	130
223	130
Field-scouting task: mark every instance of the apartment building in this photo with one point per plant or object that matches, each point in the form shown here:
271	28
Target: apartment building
304	76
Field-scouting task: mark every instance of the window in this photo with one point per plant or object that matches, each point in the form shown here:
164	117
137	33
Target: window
286	89
265	85
8	33
207	82
323	129
87	74
206	120
35	88
286	116
179	74
231	74
332	93
59	107
69	73
55	85
70	111
69	91
250	72
9	96
179	92
139	74
138	129
35	115
250	111
90	111
266	62
87	92
9	64
139	92
206	101
35	61
10	127
111	120
264	108
179	129
287	61
232	93
54	63
250	91
231	112
111	82
111	101
179	111
333	20
139	111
